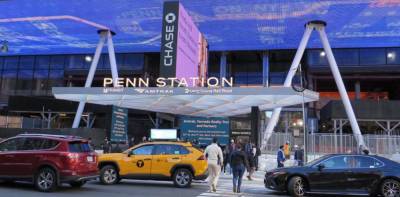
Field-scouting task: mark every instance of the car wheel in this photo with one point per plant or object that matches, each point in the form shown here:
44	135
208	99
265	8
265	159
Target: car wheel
182	178
46	180
390	188
296	186
77	184
109	175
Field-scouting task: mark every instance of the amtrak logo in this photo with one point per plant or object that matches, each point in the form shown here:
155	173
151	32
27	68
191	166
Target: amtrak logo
140	90
140	164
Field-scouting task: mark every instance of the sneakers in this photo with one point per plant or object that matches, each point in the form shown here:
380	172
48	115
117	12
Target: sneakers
214	189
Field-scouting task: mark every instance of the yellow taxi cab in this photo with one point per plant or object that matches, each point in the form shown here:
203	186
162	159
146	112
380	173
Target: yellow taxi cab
176	161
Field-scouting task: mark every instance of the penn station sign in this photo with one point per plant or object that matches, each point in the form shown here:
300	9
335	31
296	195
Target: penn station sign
170	82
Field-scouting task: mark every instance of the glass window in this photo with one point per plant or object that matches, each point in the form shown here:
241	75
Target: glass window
119	58
143	150
365	162
316	58
168	149
32	144
12	145
56	78
75	62
79	147
57	62
393	55
24	82
40	82
9	81
373	56
11	63
26	62
1	62
42	62
132	61
346	57
48	144
337	162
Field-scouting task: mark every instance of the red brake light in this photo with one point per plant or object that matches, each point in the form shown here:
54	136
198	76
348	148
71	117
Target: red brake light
201	157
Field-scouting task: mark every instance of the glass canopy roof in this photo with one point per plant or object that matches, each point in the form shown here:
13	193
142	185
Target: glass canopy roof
206	102
227	24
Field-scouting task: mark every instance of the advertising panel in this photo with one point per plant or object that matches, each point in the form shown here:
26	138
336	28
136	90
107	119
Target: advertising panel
204	129
184	50
119	124
163	134
169	39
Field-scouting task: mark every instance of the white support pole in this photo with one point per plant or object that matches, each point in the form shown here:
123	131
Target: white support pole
342	89
111	55
288	82
89	79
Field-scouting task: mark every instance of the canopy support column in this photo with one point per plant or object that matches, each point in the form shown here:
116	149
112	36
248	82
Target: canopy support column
342	89
288	82
104	34
320	27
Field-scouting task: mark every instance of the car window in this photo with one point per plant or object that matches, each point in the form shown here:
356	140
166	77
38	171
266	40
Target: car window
184	150
79	147
170	149
48	144
337	162
32	144
12	144
143	150
366	162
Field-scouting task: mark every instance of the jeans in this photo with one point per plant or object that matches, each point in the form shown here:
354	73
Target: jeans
238	172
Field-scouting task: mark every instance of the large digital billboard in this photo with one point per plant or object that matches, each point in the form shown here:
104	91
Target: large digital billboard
184	50
204	129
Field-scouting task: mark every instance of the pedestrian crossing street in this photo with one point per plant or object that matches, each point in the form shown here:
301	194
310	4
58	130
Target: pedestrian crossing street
254	188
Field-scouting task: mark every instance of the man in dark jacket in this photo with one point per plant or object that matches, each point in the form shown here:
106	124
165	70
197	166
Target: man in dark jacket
299	155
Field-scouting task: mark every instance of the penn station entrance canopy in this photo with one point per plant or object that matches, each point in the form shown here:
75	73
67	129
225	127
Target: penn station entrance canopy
207	102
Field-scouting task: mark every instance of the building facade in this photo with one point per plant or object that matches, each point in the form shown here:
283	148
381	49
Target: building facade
370	74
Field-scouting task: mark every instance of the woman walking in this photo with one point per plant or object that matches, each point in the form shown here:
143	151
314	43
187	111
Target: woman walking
239	163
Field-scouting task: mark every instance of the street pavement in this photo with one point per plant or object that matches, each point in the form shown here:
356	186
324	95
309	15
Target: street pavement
132	188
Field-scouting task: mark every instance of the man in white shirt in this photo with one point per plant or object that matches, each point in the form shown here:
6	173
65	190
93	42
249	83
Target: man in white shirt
214	156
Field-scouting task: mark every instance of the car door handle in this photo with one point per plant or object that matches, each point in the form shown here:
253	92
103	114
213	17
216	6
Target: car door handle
10	156
175	158
147	159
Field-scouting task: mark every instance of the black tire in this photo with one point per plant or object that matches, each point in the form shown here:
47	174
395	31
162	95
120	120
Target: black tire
77	184
46	180
109	175
182	178
390	188
296	186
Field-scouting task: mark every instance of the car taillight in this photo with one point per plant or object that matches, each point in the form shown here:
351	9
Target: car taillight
73	156
201	157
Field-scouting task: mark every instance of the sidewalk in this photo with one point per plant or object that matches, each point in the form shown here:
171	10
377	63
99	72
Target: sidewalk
252	188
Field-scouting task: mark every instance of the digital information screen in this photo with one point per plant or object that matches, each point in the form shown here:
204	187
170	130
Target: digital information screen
163	134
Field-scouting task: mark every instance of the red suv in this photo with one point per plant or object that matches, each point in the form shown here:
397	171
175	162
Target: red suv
47	160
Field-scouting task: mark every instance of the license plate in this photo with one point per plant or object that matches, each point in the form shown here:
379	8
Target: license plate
90	159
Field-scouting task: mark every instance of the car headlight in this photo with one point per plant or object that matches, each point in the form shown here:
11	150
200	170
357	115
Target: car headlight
278	173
